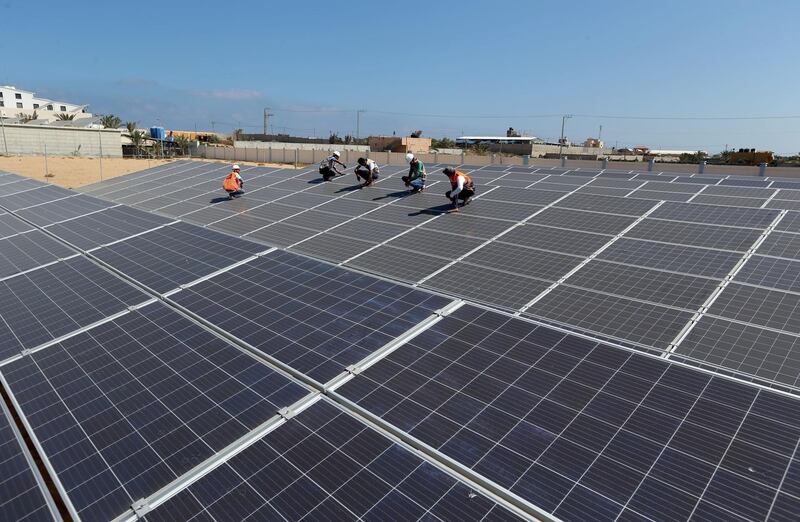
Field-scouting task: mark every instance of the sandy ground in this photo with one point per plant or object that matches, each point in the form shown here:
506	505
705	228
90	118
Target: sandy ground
72	172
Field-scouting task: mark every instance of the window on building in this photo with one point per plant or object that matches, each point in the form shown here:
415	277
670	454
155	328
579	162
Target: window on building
1	94
49	107
2	103
18	96
63	108
19	105
35	105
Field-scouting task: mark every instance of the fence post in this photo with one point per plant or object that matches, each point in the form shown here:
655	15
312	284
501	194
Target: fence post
296	157
436	157
563	161
494	156
762	169
605	163
388	157
526	159
463	157
650	164
701	167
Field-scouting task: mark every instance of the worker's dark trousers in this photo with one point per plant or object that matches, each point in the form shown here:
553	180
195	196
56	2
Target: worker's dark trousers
234	193
464	195
364	174
327	173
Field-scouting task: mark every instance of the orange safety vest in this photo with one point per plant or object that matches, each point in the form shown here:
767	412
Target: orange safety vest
230	182
454	179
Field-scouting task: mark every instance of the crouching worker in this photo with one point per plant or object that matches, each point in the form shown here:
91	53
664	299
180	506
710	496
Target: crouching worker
461	187
416	174
328	167
366	170
233	183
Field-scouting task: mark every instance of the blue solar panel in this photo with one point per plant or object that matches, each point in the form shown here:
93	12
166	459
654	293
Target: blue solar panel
584	430
130	405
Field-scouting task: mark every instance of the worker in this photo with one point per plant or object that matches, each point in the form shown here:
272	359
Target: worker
461	187
233	183
416	174
367	170
328	166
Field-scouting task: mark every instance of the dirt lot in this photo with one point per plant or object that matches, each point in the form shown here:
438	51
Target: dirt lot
70	172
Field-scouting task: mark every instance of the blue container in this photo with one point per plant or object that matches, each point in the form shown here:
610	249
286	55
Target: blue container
157	133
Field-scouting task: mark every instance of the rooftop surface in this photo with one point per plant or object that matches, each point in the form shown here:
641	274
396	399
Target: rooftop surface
572	345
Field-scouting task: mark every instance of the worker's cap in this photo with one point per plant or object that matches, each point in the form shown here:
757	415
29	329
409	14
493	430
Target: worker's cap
236	167
409	157
336	153
362	161
449	171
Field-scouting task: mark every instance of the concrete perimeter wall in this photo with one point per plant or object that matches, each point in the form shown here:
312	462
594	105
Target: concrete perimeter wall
59	141
305	157
292	146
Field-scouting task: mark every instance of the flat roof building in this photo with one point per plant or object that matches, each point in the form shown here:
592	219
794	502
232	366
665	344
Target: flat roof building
16	102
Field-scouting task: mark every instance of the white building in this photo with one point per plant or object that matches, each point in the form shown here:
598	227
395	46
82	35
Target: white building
17	103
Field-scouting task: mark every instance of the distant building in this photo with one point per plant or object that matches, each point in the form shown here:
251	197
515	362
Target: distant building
399	144
749	157
593	143
16	102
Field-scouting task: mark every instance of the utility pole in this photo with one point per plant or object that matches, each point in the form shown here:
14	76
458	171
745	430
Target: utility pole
600	134
561	141
267	114
358	123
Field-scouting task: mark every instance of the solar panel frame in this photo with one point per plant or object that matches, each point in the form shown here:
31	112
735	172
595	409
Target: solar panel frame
583	220
28	251
695	234
771	272
716	215
676	258
555	239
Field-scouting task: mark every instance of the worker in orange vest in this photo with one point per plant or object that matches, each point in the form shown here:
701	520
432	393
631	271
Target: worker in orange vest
461	187
233	183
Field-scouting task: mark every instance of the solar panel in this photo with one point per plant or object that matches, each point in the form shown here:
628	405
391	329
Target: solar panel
781	244
128	406
783	274
436	243
48	213
398	263
523	260
602	191
730	201
332	248
665	186
348	207
498	288
44	304
168	257
23	496
745	182
618	317
11	225
719	190
695	234
765	354
470	226
281	234
499	210
617	183
580	429
783	204
29	250
676	258
316	220
326	465
315	317
583	221
241	224
556	239
362	229
717	215
30	198
106	226
531	196
659	195
667	288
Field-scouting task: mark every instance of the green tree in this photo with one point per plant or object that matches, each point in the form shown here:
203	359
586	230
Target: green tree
444	143
183	144
137	140
25	118
130	126
109	121
416	134
63	116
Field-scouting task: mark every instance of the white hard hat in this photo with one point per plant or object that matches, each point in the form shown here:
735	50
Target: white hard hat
336	153
409	157
236	167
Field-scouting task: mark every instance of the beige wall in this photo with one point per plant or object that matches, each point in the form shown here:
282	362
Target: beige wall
62	141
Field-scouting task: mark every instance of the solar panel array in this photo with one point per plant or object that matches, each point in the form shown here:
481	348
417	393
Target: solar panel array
165	369
635	258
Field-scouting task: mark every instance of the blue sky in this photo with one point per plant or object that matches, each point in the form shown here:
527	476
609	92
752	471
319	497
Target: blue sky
187	64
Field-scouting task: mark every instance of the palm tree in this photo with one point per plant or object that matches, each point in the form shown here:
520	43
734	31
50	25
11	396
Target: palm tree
109	121
63	116
26	118
137	138
130	126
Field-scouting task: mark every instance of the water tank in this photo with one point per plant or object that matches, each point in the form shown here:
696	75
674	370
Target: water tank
157	133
